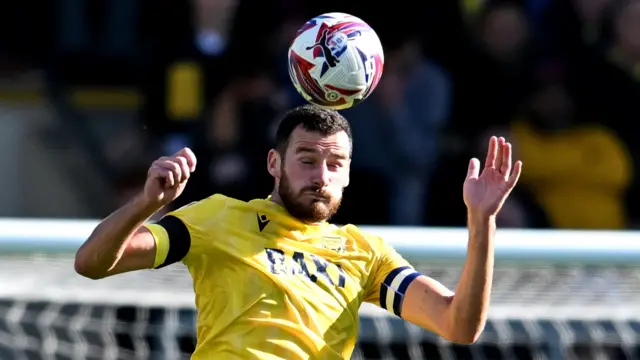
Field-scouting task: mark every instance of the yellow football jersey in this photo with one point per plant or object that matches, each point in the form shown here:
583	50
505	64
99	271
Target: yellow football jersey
271	287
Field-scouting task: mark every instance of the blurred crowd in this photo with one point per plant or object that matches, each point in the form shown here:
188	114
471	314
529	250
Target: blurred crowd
558	78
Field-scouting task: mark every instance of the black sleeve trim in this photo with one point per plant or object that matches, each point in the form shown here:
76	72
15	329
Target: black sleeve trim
179	239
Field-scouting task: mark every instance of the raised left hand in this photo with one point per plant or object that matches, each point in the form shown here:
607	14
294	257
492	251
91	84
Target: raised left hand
485	192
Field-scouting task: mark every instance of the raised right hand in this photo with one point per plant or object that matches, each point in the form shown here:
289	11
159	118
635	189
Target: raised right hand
168	176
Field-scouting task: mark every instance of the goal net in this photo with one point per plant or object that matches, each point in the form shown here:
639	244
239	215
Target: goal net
540	312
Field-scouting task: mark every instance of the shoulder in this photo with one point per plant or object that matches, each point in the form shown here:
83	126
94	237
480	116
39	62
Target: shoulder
206	216
202	209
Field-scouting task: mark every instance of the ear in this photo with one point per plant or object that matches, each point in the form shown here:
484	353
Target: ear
274	163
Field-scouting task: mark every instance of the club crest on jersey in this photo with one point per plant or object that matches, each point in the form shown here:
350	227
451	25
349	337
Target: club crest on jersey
334	243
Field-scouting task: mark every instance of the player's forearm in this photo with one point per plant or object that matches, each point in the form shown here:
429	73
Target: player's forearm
470	303
106	244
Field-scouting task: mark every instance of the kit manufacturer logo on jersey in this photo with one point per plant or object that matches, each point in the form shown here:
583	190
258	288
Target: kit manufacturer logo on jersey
263	221
334	243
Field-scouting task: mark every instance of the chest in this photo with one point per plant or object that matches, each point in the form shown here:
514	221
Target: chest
319	265
293	266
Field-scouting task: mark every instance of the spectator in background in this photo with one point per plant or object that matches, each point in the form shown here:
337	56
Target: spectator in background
213	20
609	81
577	171
571	27
405	113
235	137
625	52
280	43
194	76
490	80
497	74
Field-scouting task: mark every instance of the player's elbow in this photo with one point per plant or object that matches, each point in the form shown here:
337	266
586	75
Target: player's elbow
84	270
84	267
464	335
465	338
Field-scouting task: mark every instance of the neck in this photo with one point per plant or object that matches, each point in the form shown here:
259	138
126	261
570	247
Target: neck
274	197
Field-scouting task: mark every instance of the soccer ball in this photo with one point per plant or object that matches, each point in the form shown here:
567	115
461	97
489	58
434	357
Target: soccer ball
335	60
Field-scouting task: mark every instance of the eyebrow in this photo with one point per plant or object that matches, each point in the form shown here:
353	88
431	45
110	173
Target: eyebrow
304	149
341	156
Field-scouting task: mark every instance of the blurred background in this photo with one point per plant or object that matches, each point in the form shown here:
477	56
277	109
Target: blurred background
91	92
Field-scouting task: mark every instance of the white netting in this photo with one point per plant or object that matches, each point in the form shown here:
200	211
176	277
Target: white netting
540	312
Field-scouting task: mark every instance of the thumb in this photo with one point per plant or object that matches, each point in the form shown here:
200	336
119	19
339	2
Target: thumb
474	169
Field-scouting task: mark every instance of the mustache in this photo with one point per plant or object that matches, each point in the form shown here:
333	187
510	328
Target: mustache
316	190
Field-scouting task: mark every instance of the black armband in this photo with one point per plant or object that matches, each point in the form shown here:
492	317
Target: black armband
179	239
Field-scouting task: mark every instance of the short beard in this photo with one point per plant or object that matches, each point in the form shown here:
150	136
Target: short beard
308	213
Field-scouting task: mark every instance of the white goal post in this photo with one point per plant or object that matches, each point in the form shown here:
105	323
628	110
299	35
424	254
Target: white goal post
50	236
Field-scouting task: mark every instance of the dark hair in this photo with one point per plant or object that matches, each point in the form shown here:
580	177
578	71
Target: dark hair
314	119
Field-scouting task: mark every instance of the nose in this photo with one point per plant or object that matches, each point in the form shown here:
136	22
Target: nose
321	176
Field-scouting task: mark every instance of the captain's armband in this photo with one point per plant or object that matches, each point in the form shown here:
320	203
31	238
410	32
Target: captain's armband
394	286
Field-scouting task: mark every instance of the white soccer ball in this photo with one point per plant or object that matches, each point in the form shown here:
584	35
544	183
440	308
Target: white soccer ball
335	60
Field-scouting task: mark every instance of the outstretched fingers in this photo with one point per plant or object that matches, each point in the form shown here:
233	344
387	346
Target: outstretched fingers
505	167
499	150
499	159
515	175
492	153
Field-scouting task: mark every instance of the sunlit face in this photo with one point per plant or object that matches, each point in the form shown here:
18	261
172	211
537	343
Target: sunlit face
312	175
